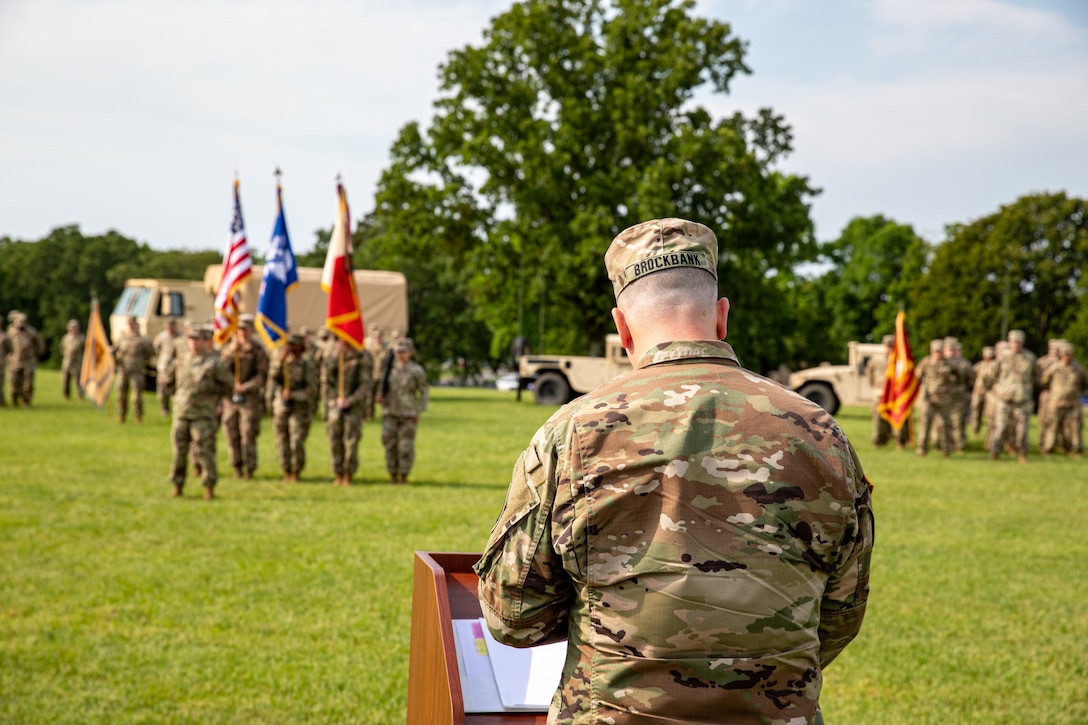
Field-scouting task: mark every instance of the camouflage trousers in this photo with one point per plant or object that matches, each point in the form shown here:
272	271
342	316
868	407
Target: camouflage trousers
399	440
198	435
163	393
936	411
1011	419
22	385
70	375
291	429
883	431
1066	430
958	416
3	381
242	425
130	381
345	430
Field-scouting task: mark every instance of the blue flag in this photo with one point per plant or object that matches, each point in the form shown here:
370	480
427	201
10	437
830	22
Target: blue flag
280	277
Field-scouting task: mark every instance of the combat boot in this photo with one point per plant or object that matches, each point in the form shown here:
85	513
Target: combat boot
176	493
209	493
238	472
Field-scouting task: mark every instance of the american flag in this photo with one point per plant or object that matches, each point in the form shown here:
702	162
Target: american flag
237	266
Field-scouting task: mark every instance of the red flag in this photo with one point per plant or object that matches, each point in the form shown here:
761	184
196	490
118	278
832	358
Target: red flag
236	267
345	318
900	382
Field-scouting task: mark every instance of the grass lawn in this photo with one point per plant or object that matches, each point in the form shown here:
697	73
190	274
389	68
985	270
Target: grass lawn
290	603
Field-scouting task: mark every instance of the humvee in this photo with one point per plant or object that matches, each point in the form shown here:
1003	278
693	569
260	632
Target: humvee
558	379
832	386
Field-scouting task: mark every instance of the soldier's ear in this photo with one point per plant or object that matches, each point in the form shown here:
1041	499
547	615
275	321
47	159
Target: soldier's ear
723	318
624	331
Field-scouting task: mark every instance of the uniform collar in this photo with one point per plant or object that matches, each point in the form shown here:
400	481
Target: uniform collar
687	349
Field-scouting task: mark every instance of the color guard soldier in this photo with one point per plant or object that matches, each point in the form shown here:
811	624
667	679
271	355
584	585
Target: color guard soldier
248	363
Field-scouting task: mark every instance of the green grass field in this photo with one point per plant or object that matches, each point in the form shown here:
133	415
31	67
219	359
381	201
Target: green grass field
290	603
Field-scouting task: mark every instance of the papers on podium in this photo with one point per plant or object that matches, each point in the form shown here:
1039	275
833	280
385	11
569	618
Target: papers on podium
498	678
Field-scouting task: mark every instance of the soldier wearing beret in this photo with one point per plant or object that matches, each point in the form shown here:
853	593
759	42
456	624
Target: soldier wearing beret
292	386
699	534
71	350
134	354
346	377
27	346
200	380
404	395
244	407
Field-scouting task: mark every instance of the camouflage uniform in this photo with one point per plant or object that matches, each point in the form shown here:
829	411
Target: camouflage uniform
200	382
1013	382
936	378
405	397
377	349
165	344
345	425
960	397
1065	381
71	350
1046	420
5	351
875	372
701	536
27	345
291	419
981	370
134	353
244	408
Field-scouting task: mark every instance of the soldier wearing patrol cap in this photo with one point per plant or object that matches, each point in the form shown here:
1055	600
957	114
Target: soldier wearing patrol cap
699	534
134	354
244	407
166	345
1013	381
27	346
292	386
404	396
875	372
71	350
201	381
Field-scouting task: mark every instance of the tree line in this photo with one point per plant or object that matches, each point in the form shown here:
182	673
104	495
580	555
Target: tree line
574	120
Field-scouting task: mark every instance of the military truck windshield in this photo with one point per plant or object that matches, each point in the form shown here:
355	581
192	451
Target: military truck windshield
133	301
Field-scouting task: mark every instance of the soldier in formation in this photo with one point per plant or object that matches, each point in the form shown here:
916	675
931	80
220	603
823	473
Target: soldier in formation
347	375
134	353
980	409
937	380
1065	382
375	345
5	351
244	408
1012	379
71	350
292	386
404	395
704	556
166	345
875	372
960	405
27	346
200	381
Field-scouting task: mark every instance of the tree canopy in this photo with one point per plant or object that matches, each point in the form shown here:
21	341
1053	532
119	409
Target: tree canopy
570	122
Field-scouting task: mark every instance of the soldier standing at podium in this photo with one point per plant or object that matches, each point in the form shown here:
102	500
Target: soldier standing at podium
701	535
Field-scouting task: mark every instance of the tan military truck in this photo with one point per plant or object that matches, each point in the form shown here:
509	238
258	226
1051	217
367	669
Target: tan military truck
832	386
383	297
557	379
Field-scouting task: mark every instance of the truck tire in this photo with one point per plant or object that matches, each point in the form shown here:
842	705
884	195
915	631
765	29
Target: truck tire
551	389
822	395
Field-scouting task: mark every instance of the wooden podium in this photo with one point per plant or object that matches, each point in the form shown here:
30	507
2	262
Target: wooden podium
444	589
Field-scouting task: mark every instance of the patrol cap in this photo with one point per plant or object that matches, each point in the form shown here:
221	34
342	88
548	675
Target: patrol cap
201	332
13	314
658	245
988	350
936	344
73	323
1016	336
296	338
1064	347
888	340
245	322
405	344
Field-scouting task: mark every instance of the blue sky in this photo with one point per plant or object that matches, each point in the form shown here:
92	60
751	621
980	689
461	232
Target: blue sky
135	114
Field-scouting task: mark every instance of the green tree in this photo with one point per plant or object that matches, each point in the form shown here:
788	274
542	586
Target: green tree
573	121
875	263
1021	267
